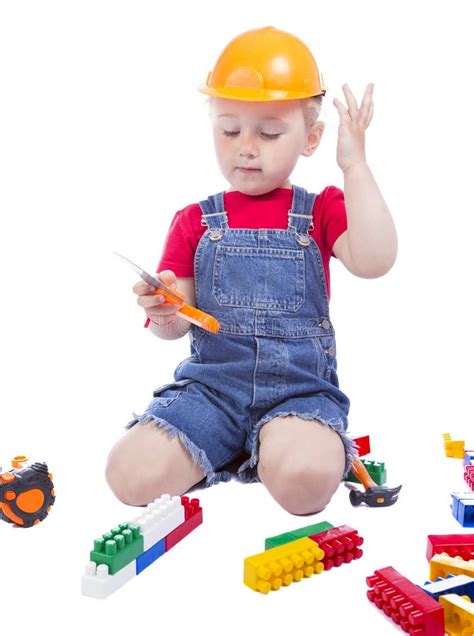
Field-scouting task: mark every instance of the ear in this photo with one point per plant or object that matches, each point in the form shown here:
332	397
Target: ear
313	138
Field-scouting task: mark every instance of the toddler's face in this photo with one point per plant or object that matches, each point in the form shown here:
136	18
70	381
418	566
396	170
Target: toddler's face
267	137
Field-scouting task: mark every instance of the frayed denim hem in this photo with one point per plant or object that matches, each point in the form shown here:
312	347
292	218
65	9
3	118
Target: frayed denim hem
247	471
197	454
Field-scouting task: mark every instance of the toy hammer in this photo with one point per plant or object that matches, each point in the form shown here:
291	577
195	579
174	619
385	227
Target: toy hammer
374	496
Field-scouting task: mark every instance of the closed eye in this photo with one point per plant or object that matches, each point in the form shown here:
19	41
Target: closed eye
264	135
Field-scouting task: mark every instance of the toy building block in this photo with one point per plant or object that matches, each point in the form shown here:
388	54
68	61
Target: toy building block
98	583
452	544
453	448
118	548
193	518
363	445
151	555
459	614
465	514
453	584
159	518
127	550
282	565
376	471
293	535
469	457
469	476
408	606
340	545
443	564
462	507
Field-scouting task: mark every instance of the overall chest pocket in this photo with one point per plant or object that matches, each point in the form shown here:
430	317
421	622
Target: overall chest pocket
259	277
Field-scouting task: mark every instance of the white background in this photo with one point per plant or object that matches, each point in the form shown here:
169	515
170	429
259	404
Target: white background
103	136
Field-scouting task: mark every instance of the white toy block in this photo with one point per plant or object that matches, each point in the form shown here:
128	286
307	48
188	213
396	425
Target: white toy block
446	584
97	581
160	518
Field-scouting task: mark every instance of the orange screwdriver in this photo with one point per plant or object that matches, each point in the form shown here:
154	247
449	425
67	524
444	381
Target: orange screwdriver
196	316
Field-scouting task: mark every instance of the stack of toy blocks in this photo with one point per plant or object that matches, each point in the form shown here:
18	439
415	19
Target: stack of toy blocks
462	504
128	549
454	583
443	604
300	553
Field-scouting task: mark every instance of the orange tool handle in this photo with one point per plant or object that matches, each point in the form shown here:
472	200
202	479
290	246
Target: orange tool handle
199	318
192	314
360	471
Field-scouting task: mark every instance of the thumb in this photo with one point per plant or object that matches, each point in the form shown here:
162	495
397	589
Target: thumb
168	277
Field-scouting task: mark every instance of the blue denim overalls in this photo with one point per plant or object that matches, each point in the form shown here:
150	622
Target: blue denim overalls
274	354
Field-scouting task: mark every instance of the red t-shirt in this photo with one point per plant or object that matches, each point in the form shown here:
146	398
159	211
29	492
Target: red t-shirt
263	211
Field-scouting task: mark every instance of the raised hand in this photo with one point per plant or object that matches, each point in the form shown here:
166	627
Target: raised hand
352	124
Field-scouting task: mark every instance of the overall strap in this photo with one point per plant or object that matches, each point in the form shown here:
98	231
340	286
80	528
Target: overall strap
214	215
300	217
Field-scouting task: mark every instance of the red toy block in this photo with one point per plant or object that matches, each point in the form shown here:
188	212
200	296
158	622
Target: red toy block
469	476
453	544
363	445
408	606
341	545
192	519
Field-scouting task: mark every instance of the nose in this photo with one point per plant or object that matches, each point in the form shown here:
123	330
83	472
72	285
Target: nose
248	146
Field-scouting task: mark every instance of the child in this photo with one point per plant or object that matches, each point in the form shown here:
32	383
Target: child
256	257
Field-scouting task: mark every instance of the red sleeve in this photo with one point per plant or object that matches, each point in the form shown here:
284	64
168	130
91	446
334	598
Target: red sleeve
334	218
179	248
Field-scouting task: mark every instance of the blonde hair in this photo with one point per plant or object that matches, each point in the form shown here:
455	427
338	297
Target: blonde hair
311	107
311	110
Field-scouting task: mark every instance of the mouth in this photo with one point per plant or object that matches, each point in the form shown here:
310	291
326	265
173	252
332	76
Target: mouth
248	170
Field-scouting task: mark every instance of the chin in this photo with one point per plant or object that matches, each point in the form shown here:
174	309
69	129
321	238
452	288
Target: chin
253	189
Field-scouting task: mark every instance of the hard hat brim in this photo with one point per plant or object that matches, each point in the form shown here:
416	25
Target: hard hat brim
253	95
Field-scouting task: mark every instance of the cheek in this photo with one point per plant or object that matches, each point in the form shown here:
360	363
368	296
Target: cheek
281	152
226	143
222	144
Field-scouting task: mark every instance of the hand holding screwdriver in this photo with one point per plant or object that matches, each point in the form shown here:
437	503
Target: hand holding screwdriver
159	287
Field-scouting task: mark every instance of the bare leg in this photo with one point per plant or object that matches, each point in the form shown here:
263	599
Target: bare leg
301	463
146	463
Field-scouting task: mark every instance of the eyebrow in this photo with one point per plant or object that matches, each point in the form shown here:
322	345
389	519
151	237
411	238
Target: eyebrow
270	118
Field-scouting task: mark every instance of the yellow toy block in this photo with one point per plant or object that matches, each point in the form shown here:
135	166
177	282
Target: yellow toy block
443	564
282	565
453	448
458	615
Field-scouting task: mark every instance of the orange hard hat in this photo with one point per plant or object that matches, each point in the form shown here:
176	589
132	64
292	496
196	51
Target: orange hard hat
264	65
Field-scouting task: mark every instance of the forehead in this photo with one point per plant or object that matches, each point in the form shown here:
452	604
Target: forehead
263	111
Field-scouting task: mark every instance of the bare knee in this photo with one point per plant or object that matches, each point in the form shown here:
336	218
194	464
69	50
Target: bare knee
129	482
301	463
300	489
147	463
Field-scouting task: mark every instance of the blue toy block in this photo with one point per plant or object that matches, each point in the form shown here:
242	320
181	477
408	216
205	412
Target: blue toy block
151	555
462	508
466	513
468	457
453	584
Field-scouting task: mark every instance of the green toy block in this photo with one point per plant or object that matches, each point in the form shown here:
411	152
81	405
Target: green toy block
118	548
299	533
375	469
